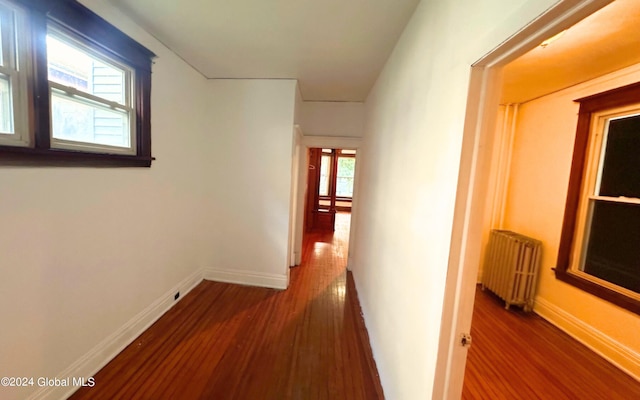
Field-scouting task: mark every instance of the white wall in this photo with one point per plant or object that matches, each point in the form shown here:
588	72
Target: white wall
408	177
84	250
89	256
538	181
252	123
322	118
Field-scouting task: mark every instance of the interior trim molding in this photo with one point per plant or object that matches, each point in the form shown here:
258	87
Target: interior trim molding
105	351
273	281
333	142
628	360
99	356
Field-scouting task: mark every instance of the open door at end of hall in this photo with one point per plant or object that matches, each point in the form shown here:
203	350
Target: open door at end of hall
330	186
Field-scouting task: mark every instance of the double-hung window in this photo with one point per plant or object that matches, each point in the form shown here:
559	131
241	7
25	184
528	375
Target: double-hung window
91	107
600	243
74	90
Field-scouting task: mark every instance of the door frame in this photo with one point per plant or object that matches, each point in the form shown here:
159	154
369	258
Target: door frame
473	185
293	200
333	142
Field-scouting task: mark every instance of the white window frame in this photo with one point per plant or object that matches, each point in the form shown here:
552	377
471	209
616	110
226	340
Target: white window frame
94	101
340	155
590	192
17	69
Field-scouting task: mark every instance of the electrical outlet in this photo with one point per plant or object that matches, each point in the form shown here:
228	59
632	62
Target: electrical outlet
176	296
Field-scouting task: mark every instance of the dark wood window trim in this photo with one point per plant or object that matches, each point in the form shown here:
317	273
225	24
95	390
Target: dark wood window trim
104	37
338	198
588	105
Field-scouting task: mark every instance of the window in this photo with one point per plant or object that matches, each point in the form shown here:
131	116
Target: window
610	203
346	174
325	170
14	40
88	85
601	231
90	98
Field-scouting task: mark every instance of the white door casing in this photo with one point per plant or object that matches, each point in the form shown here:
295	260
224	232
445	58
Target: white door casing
307	142
473	180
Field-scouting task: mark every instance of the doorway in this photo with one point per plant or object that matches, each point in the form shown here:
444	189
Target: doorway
331	178
474	186
329	199
528	191
301	209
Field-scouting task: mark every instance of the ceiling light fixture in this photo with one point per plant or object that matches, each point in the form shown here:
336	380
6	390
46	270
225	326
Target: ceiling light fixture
552	39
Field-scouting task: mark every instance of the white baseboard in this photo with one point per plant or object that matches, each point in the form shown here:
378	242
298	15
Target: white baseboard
100	355
628	360
109	348
247	278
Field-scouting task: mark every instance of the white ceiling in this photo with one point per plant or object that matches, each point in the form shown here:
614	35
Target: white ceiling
606	41
335	48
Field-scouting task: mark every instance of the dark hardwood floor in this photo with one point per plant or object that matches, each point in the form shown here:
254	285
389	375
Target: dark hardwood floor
226	341
517	355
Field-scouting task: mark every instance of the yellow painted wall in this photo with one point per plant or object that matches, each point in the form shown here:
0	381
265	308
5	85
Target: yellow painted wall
537	189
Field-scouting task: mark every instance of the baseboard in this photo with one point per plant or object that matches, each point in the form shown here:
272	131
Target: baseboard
628	360
247	278
109	348
100	355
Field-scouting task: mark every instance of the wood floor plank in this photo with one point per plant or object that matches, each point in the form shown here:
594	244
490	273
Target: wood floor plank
226	341
518	355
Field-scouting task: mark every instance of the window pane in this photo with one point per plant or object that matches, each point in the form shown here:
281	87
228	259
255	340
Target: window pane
344	187
2	29
6	113
621	165
7	30
346	173
6	98
614	243
77	121
324	175
70	66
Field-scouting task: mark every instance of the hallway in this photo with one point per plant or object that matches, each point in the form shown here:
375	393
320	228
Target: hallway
225	341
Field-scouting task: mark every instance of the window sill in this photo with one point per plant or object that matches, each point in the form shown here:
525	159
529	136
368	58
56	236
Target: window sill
619	299
25	156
